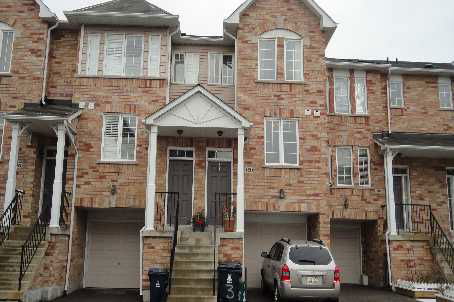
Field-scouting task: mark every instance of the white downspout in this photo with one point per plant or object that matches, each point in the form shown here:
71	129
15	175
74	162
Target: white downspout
169	65
388	97
141	261
73	200
388	256
46	61
236	64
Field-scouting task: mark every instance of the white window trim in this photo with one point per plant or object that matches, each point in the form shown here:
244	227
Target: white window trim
120	132
12	46
149	54
123	74
3	136
368	168
361	75
281	144
397	79
450	208
344	75
260	59
337	167
221	75
302	60
448	82
174	81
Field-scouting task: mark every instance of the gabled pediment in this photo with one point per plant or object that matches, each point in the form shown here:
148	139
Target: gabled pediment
198	108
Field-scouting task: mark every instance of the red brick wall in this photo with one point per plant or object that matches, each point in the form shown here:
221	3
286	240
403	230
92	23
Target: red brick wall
156	253
230	250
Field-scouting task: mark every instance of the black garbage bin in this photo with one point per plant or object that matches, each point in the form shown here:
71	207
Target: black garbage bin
229	277
158	284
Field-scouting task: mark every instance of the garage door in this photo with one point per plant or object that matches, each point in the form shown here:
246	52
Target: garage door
113	251
261	232
346	249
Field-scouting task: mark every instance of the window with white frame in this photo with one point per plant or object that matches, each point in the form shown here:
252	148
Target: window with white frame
220	70
267	59
344	166
281	143
2	130
450	183
364	167
6	47
123	54
396	91
361	92
445	93
119	137
186	68
293	60
93	41
154	55
342	92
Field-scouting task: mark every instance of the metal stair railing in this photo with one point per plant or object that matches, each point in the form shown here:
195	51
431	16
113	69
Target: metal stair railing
11	216
441	241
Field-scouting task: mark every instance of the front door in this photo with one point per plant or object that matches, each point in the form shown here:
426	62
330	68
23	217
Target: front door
402	198
180	180
48	184
219	180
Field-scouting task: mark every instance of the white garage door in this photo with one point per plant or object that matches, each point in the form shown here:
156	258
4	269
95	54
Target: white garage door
346	249
261	232
113	255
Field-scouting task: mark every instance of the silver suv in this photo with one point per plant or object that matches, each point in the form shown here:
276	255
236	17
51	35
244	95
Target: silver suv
300	269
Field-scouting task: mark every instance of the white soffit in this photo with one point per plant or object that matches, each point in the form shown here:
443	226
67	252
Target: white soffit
45	12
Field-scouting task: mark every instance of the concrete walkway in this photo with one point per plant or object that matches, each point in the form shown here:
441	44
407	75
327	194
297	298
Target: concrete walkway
348	294
99	295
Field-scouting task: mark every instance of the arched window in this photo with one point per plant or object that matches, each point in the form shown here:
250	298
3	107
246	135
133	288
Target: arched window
6	47
293	55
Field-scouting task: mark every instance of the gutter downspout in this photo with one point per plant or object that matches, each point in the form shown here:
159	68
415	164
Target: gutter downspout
236	64
46	61
388	97
141	262
71	225
388	257
388	231
169	66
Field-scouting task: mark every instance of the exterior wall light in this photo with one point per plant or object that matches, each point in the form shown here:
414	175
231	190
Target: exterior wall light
281	194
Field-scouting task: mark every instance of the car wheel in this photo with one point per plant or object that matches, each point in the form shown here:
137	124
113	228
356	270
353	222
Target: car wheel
276	294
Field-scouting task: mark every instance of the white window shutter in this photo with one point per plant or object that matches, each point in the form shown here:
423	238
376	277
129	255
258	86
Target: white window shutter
93	54
110	137
154	60
215	68
114	54
134	55
6	46
191	68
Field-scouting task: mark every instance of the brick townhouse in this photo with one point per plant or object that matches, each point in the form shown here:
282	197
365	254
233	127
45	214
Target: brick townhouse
106	116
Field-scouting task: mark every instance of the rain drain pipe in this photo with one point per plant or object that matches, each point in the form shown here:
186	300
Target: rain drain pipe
141	262
46	62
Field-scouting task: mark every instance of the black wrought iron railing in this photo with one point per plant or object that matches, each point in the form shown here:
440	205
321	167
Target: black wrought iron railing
35	238
417	218
173	205
11	216
65	209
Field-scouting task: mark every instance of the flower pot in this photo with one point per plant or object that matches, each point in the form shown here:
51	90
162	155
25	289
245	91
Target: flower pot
229	225
198	227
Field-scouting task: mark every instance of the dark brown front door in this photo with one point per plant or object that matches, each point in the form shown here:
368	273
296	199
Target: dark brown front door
219	180
180	180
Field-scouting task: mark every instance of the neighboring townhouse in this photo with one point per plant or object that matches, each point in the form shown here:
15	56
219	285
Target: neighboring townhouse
127	117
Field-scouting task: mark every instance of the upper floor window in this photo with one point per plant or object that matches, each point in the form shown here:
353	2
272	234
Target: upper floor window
93	41
396	91
267	59
281	143
119	137
445	93
341	92
186	68
344	166
361	92
293	60
154	56
220	69
6	47
123	55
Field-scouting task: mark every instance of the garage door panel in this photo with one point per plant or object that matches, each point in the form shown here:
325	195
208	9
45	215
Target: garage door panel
346	249
113	255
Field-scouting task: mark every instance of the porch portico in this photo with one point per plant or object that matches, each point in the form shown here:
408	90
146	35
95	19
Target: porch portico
196	114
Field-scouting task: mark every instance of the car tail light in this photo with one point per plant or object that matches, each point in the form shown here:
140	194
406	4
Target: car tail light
337	274
285	273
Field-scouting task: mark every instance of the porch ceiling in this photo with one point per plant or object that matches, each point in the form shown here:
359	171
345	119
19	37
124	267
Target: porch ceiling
422	145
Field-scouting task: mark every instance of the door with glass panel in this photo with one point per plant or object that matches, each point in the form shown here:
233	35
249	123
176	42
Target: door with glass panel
402	198
450	182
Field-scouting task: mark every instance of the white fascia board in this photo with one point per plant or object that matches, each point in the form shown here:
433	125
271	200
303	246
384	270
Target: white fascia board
359	66
33	118
45	12
152	118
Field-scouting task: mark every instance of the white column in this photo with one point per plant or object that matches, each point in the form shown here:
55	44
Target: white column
58	179
240	183
151	179
12	168
389	182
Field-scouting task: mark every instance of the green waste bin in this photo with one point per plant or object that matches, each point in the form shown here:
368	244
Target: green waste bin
229	279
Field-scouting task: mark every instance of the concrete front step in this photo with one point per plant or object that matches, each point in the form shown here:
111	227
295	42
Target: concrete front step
187	248
14	267
14	276
192	273
193	256
180	290
12	285
17	250
205	282
191	298
194	264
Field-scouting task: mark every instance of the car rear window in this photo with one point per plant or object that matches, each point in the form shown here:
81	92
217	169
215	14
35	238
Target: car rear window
309	255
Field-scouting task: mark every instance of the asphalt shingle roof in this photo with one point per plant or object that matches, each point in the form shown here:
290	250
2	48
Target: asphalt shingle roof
58	108
126	7
402	64
415	139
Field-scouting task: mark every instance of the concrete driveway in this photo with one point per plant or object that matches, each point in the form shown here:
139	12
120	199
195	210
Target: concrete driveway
100	295
348	294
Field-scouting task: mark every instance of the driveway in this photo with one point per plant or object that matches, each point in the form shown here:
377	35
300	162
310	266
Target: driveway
348	294
99	295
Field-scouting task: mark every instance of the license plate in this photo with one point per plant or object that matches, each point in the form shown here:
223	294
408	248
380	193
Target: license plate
313	280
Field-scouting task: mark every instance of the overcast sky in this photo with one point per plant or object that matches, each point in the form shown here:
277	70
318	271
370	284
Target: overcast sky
368	29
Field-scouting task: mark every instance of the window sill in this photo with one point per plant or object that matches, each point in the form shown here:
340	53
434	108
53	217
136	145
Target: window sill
394	107
6	74
348	115
353	187
222	85
446	109
280	82
281	167
114	162
119	77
